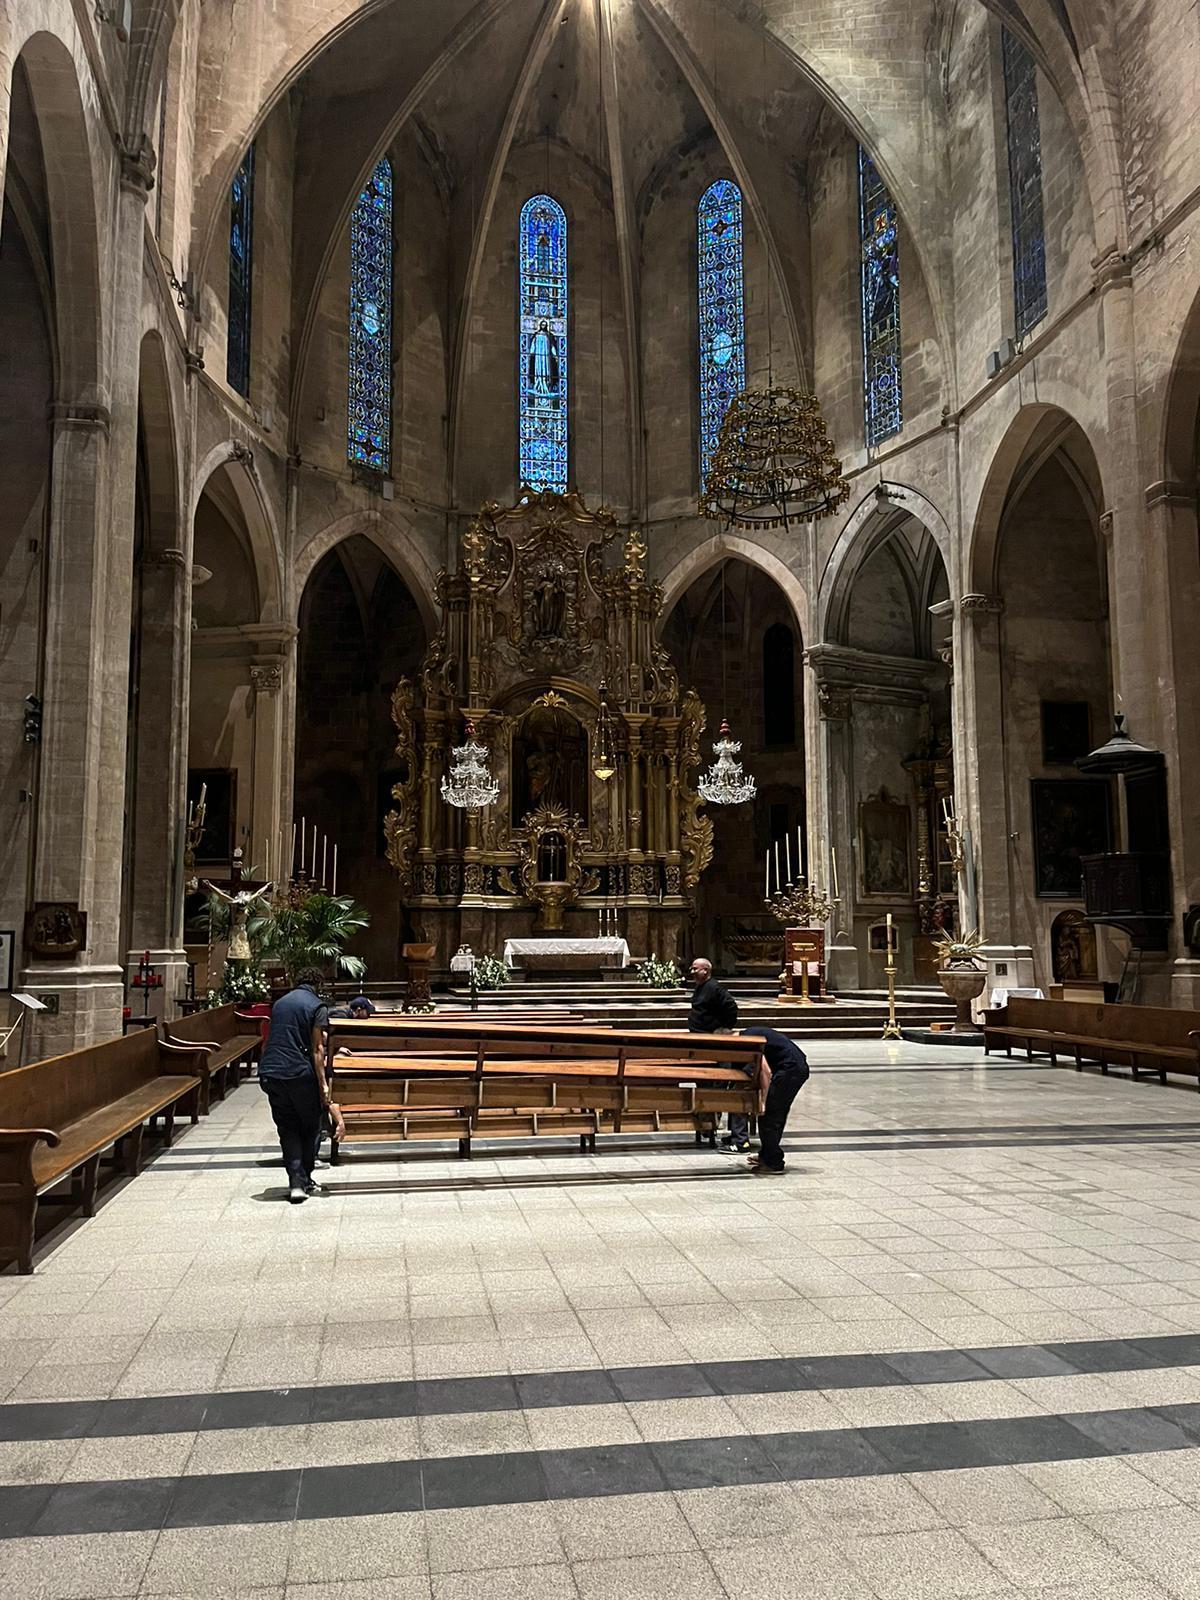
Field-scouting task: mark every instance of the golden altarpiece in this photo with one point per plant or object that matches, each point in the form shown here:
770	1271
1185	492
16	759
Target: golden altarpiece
549	616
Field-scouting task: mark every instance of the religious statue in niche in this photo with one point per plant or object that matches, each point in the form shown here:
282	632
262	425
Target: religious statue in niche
1073	949
549	624
549	760
55	929
549	606
239	904
543	362
550	846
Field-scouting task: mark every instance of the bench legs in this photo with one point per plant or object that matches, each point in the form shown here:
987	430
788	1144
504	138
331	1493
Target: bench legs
25	1231
133	1150
89	1182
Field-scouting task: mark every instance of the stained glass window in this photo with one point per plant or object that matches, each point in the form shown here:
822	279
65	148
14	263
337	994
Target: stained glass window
722	311
542	382
369	430
1025	184
883	389
241	273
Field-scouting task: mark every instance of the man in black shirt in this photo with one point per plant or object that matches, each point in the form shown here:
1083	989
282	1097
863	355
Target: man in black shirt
292	1073
714	1010
789	1074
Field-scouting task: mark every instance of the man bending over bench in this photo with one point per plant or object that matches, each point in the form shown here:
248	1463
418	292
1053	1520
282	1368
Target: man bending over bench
789	1073
292	1072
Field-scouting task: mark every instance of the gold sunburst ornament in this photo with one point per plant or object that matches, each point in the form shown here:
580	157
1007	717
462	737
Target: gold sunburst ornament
774	463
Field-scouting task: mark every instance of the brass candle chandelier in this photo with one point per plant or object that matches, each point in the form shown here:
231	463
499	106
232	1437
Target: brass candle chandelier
774	463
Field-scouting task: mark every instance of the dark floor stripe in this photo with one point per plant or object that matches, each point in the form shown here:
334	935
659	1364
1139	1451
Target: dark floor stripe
523	1477
275	1408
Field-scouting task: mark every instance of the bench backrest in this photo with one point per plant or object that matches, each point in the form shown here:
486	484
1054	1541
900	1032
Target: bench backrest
58	1091
526	1042
217	1026
1139	1024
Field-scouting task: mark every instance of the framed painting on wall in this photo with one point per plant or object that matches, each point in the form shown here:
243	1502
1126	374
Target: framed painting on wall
1072	818
885	848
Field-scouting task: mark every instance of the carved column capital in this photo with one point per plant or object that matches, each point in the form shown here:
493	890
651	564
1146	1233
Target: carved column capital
835	704
137	167
981	605
268	678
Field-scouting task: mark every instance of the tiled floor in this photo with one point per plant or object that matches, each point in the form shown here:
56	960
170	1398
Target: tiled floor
955	1352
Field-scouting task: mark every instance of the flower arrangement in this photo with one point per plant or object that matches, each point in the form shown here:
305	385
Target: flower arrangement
426	1010
660	974
242	984
962	951
490	972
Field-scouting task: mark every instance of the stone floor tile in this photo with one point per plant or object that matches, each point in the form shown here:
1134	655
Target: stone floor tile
74	1565
362	1589
486	1537
1084	1488
623	1525
985	1494
790	1569
340	1549
1039	1555
507	1583
189	1558
898	1566
675	1577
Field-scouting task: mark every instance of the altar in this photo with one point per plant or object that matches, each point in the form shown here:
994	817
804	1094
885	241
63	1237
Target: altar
562	955
548	664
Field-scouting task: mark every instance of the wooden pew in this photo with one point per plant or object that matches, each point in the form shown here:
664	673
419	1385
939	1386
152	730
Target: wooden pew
230	1042
464	1081
1144	1038
58	1118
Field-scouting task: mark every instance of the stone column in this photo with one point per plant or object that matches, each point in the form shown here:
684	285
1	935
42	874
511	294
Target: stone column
273	756
80	815
836	828
986	812
158	822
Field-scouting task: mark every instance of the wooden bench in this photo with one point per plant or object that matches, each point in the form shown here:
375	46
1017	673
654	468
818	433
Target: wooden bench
59	1117
425	1079
1154	1039
231	1042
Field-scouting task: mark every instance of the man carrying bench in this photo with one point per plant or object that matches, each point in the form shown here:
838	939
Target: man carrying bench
292	1073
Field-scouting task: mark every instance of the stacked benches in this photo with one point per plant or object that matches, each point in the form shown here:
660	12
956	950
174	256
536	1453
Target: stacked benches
63	1118
1150	1039
398	1079
231	1044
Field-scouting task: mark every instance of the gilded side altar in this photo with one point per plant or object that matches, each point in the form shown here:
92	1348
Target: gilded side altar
549	601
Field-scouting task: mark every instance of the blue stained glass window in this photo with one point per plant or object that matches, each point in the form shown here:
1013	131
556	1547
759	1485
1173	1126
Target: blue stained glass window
369	428
722	311
1025	184
241	274
883	390
542	379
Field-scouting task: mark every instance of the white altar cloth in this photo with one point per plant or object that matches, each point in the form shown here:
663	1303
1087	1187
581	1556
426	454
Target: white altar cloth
603	950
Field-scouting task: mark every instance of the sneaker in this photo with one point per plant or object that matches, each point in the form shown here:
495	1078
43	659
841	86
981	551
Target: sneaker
739	1146
297	1195
757	1170
320	1164
312	1187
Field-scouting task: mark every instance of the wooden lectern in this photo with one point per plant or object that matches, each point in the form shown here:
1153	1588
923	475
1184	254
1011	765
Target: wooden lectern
804	957
419	959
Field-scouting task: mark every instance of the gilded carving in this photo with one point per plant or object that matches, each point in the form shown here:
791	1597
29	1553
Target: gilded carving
400	825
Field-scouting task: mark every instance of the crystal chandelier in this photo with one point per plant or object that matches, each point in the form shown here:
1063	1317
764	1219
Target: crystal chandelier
725	784
470	784
774	463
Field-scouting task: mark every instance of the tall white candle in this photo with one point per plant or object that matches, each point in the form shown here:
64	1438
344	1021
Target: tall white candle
891	944
313	868
800	846
333	890
303	837
292	862
767	890
787	845
833	854
778	879
324	860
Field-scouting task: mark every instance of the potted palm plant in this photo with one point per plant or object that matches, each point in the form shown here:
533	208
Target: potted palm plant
310	932
962	973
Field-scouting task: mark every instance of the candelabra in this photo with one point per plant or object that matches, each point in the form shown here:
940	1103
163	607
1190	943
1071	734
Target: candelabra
801	904
892	1030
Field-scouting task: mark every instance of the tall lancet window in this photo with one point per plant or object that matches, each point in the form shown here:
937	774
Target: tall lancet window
369	429
722	311
542	380
241	275
1025	185
883	392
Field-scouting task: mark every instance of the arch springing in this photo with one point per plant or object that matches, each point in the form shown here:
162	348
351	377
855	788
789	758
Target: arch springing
369	417
1025	185
879	228
542	385
721	261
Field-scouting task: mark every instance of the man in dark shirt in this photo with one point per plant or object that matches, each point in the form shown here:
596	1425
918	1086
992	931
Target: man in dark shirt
789	1074
292	1072
714	1010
